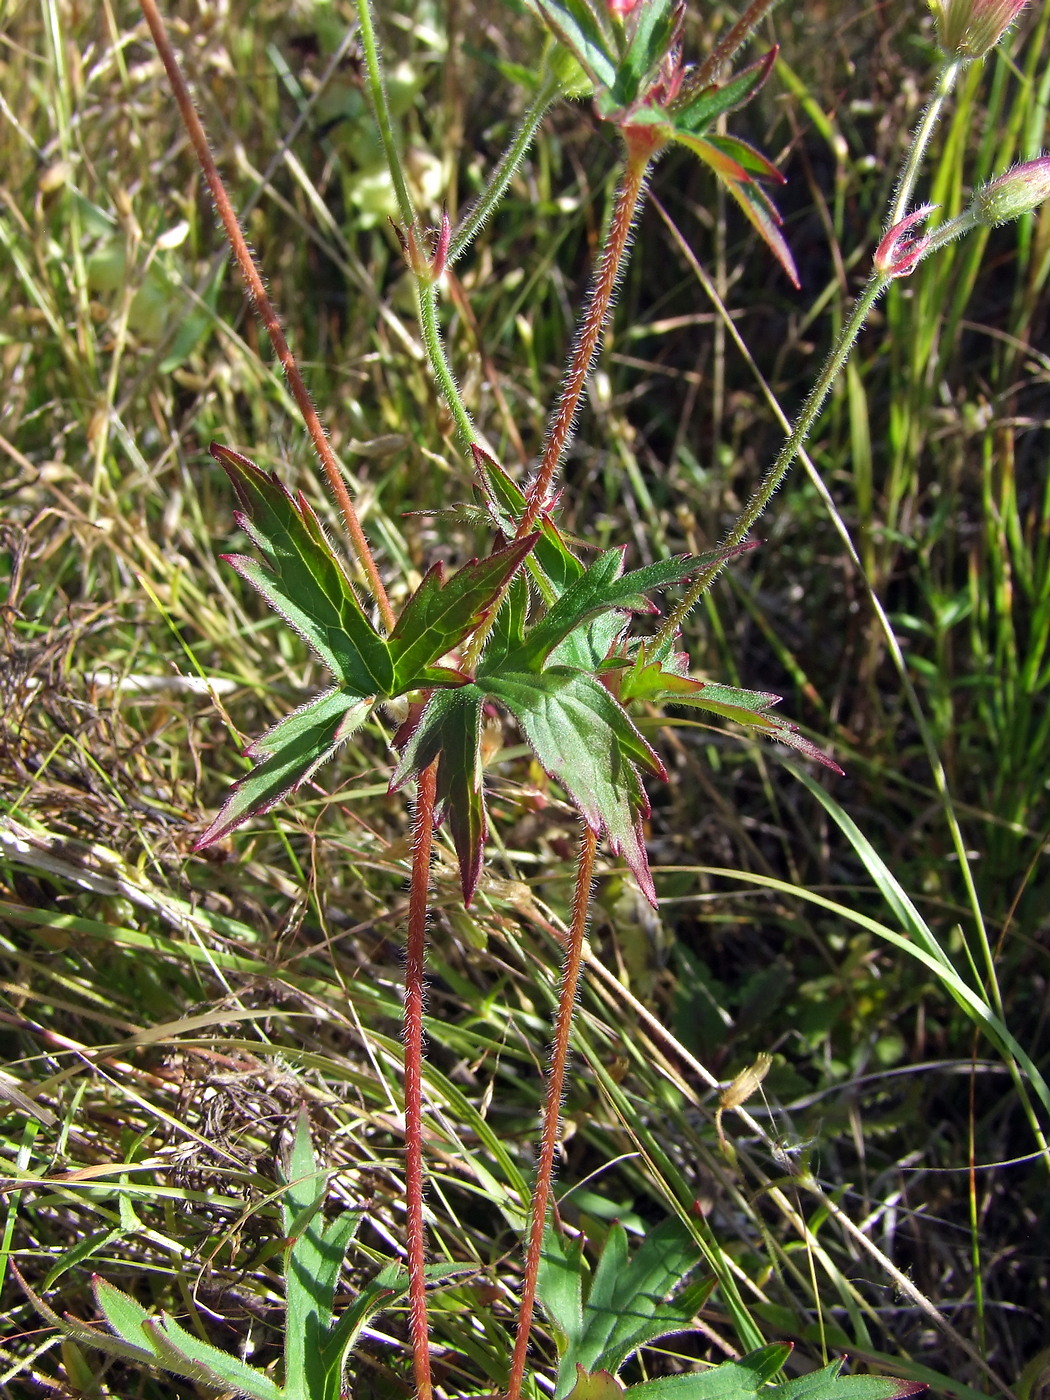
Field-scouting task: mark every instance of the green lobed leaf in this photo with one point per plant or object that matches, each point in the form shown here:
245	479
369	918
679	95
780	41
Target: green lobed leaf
287	755
654	680
732	1380
303	579
559	1287
313	1259
581	28
448	728
180	1351
586	741
137	1353
827	1384
377	1295
508	630
122	1312
751	198
631	1300
695	111
442	612
596	1385
601	588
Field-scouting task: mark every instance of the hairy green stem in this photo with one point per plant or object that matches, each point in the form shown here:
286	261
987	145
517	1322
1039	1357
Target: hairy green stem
381	109
264	309
541	1193
592	326
426	300
422	840
426	283
481	210
775	475
946	80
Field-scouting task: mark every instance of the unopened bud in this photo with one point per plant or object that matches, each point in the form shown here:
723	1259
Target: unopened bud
1017	192
900	251
970	29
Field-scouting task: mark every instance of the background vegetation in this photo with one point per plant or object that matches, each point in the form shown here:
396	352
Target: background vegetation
164	1014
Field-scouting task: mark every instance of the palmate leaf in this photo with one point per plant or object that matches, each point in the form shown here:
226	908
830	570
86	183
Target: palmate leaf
587	742
448	729
631	1301
664	676
441	612
602	588
748	1378
286	756
303	579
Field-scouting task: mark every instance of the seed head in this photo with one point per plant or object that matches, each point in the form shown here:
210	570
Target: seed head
970	29
1013	194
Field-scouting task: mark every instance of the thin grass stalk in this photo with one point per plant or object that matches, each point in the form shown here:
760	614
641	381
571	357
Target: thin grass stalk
541	1195
422	840
264	309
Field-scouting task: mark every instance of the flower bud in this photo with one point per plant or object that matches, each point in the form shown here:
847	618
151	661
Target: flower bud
970	29
1017	192
901	249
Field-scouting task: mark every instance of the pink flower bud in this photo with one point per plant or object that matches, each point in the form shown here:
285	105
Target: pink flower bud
1013	194
969	29
899	252
621	8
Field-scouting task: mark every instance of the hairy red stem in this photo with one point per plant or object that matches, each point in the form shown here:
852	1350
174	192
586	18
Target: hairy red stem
589	336
422	839
264	309
541	1195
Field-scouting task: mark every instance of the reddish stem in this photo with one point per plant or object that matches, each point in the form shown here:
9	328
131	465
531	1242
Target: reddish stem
541	1194
263	308
422	838
640	150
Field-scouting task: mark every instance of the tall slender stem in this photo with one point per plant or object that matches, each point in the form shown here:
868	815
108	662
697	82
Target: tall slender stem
787	454
480	211
381	109
921	139
541	1195
264	309
426	298
588	338
422	839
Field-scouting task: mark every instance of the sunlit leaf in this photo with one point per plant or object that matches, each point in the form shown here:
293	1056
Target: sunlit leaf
443	611
448	729
303	579
286	756
585	740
